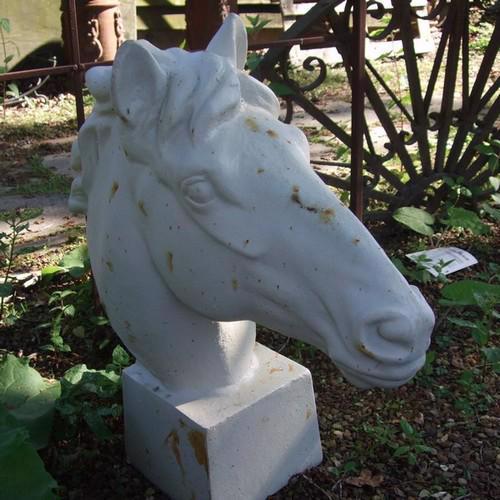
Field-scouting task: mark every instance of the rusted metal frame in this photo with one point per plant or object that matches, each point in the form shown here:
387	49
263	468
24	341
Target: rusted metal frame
389	91
475	101
55	70
397	144
419	123
358	108
487	125
78	74
339	24
489	94
445	35
446	113
295	31
77	68
203	19
32	73
465	65
290	42
345	184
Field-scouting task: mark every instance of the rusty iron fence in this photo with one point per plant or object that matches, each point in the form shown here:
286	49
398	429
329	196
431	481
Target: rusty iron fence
437	142
439	136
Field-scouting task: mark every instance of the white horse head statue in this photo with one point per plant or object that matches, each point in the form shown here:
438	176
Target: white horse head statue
205	216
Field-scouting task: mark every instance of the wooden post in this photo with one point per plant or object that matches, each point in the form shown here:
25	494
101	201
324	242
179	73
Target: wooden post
203	19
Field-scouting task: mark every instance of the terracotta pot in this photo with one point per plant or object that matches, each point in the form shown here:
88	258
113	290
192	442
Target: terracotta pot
100	29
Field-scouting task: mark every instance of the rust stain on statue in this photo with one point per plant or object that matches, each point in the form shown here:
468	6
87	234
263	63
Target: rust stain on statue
252	124
362	348
173	441
140	204
170	261
274	370
326	215
114	189
272	133
199	444
235	284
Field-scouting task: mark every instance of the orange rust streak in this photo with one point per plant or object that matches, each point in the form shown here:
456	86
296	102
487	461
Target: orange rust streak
198	443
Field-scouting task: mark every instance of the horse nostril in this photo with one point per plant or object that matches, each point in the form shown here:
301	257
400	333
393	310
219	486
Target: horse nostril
398	330
391	341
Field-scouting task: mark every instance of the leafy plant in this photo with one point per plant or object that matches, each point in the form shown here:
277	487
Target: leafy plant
382	438
10	89
479	299
91	396
17	223
412	445
22	472
28	398
256	24
74	307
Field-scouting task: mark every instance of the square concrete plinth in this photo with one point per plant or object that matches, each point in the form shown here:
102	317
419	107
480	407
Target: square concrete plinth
244	442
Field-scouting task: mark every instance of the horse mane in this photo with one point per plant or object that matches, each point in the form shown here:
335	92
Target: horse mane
205	90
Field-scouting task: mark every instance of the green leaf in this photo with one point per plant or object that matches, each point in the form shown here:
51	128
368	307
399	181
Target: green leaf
97	425
495	183
5	290
493	212
22	472
28	397
77	262
485	149
461	293
8	58
120	356
466	219
416	219
5	24
406	427
463	322
401	450
49	271
492	354
281	89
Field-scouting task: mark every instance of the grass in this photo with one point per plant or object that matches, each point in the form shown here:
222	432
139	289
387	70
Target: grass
43	180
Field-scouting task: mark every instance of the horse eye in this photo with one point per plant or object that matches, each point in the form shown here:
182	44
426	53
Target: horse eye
198	190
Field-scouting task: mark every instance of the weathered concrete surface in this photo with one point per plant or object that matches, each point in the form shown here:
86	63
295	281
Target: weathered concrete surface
56	216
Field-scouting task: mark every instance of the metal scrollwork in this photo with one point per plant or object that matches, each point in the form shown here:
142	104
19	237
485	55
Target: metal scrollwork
438	127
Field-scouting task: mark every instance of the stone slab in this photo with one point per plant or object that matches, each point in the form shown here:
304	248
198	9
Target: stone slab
241	443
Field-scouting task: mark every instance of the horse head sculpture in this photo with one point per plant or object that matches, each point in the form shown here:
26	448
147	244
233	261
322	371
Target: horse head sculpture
205	216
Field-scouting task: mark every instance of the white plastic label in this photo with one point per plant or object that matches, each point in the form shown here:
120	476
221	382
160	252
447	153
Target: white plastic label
444	260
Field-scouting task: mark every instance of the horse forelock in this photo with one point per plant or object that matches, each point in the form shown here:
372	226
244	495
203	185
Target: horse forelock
202	92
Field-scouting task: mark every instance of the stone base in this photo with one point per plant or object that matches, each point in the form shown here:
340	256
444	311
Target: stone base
244	442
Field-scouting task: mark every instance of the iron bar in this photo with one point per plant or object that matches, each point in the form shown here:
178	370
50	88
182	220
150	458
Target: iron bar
445	34
358	108
419	121
449	84
78	74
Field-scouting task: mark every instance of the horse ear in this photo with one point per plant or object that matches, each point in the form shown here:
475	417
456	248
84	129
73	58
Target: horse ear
138	83
231	41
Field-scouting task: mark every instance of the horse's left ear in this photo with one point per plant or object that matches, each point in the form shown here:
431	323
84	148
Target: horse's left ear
138	82
231	41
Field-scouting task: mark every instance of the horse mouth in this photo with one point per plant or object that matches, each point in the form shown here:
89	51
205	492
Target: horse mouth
367	380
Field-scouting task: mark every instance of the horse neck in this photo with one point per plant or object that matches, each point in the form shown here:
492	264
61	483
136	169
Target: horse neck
183	349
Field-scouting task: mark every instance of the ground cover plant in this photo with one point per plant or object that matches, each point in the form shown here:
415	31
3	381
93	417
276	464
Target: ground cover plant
61	427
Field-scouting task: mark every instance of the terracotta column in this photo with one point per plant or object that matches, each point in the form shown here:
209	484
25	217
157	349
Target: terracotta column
203	18
100	29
